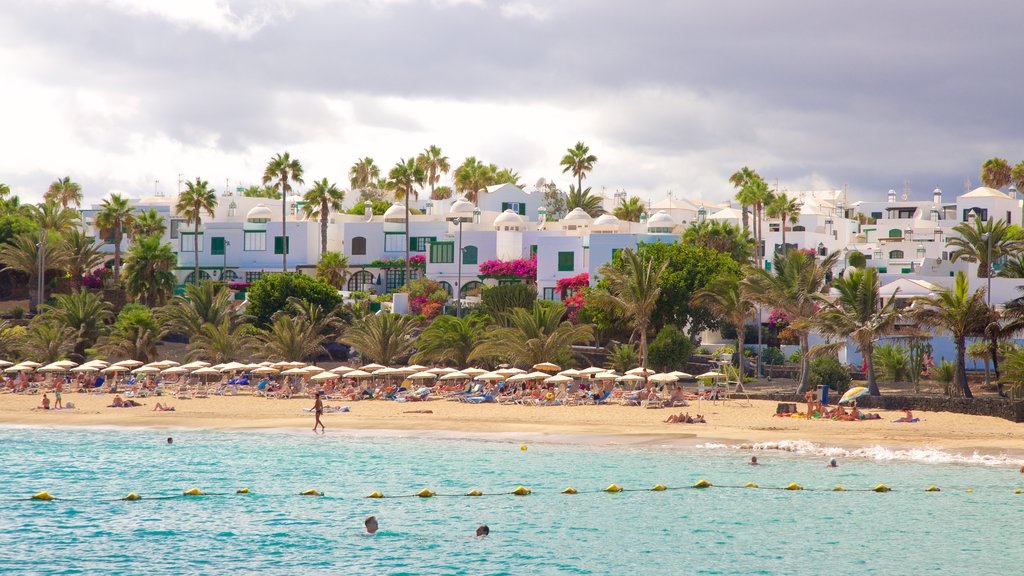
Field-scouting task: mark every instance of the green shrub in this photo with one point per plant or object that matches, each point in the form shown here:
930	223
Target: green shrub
623	357
497	301
828	371
794	358
702	351
670	350
270	294
772	357
891	363
856	260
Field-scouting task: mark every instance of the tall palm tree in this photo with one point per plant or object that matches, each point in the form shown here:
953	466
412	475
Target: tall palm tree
205	303
787	210
23	253
584	200
382	338
84	312
741	180
434	164
320	200
194	200
81	255
5	190
261	192
403	180
633	290
857	312
115	216
471	177
450	339
996	173
792	287
147	223
222	343
958	312
65	192
629	209
12	340
363	174
281	169
723	298
504	175
53	217
540	334
579	162
723	237
149	271
1016	175
333	268
975	240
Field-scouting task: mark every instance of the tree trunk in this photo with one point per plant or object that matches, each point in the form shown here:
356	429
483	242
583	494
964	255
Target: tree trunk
993	349
805	363
117	254
961	366
284	227
323	229
195	249
746	218
869	357
739	350
408	267
785	247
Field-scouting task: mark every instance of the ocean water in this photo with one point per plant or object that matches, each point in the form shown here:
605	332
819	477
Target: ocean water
273	530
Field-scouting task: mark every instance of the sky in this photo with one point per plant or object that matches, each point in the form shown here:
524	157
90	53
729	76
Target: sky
672	96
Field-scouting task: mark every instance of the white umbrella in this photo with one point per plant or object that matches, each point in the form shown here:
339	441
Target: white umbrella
94	363
5	363
606	376
313	370
711	374
264	370
681	375
558	379
169	363
219	366
510	371
174	370
547	367
417	367
324	376
51	368
474	371
342	370
407	370
490	376
114	369
591	370
630	378
640	371
454	376
86	368
371	367
195	365
145	370
357	374
295	371
385	371
519	378
206	371
232	366
129	363
663	378
423	376
442	371
30	364
18	368
64	363
569	372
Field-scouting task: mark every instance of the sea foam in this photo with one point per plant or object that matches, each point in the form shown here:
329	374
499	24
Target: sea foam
926	455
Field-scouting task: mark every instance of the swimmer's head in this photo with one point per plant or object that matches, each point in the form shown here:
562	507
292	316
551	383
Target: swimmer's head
753	459
832	463
483	530
371	524
170	440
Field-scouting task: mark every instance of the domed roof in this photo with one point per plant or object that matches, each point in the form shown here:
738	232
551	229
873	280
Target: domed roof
606	221
985	192
259	213
508	218
461	207
578	216
396	213
661	219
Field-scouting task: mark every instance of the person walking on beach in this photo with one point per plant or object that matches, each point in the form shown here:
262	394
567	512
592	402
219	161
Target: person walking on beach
56	392
318	409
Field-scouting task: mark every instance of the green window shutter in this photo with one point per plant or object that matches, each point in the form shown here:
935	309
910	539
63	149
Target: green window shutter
533	250
442	253
504	206
522	208
281	244
469	255
565	261
217	246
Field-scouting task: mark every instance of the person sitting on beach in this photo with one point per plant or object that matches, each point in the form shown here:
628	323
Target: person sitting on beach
117	403
129	403
46	403
163	408
698	420
908	416
371	524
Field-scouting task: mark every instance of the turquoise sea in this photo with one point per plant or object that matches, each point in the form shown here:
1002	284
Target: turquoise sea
273	530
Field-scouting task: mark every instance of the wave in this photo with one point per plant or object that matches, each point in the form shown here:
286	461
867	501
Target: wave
878	453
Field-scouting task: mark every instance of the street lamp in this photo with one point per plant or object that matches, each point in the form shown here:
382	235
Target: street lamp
988	268
462	210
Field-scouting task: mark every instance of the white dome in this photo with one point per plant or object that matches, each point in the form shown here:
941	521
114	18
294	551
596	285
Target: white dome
259	213
661	219
606	221
461	207
395	214
508	218
578	216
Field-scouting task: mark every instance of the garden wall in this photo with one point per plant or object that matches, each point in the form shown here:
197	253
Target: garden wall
996	407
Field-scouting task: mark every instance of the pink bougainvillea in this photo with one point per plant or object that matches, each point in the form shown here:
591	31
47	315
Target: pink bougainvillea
418	261
566	285
521	268
574	293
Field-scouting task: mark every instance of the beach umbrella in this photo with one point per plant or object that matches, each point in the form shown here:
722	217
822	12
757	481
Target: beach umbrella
281	365
371	367
174	370
206	371
18	368
417	367
357	374
630	378
606	376
640	371
557	379
86	368
264	370
681	375
342	370
510	371
385	371
547	367
5	363
129	363
168	363
232	366
454	376
145	370
520	377
294	372
219	366
64	363
474	371
195	365
51	368
490	377
569	372
313	370
423	376
853	394
324	376
442	371
591	371
711	374
407	370
114	369
663	378
30	364
94	363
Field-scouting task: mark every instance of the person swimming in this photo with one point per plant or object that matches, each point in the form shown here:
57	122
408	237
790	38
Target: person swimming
832	464
753	461
483	530
371	524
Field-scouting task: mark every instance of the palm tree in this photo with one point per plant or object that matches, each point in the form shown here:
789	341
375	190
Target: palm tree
402	180
579	161
634	291
281	169
434	164
47	341
5	190
81	255
197	198
148	223
134	335
791	288
450	339
84	312
205	303
741	180
382	338
22	254
64	192
114	218
996	173
630	209
540	334
442	193
1013	267
320	200
364	174
291	338
724	300
52	217
261	192
333	268
787	210
222	343
472	177
11	340
149	271
583	200
857	312
975	240
721	236
958	312
1016	175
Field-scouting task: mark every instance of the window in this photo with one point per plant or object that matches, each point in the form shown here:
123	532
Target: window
469	255
282	245
533	250
447	287
251	277
566	261
188	241
517	207
896	254
883	270
981	212
394	242
217	245
773	227
442	252
191	278
394	279
229	276
799	228
876	215
895	233
615	252
419	243
549	294
175	226
471	288
255	241
359	246
1009	219
360	281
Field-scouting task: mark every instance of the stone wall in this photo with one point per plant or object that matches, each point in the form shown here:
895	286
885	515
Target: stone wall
997	407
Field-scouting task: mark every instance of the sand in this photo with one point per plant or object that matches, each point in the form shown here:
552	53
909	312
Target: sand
733	421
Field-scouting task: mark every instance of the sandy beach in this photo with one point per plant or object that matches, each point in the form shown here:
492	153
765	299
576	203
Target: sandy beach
732	421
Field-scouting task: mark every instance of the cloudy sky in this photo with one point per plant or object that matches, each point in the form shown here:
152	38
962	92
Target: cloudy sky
671	95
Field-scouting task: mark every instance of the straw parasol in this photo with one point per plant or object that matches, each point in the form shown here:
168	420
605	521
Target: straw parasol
606	376
711	374
232	366
681	375
547	367
314	370
30	364
195	365
174	370
423	376
591	371
87	368
342	370
520	377
64	363
442	371
371	367
114	369
129	363
324	376
490	377
640	371
18	368
52	368
417	367
5	363
474	371
663	378
295	372
558	379
510	371
630	378
145	370
407	370
454	376
357	374
385	371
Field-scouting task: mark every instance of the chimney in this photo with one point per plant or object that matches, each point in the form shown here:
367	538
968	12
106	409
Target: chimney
937	196
891	197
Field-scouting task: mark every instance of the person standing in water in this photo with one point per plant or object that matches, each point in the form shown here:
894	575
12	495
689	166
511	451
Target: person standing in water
318	409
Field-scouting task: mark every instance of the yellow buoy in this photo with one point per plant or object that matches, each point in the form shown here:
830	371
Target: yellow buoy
242	491
376	495
750	485
523	447
659	488
793	486
521	491
569	490
932	488
702	483
131	497
425	493
613	488
474	493
44	495
311	492
192	492
969	490
1018	491
839	489
881	488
